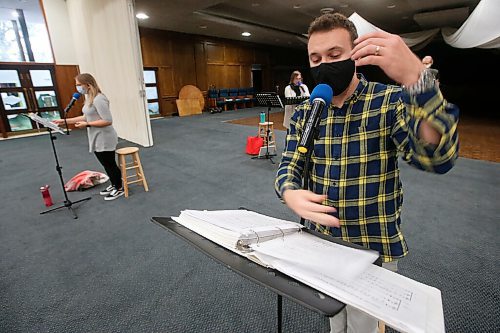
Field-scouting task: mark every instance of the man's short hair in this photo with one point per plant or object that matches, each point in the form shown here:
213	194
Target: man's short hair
330	21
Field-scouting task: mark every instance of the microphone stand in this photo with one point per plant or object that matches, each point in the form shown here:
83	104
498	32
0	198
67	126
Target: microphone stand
66	109
67	203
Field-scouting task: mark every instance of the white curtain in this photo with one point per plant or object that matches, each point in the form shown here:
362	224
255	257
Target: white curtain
106	41
480	30
419	38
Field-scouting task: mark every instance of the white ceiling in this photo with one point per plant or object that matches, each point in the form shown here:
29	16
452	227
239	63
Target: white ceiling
277	22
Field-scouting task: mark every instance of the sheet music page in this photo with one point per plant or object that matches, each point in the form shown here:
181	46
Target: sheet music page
45	123
242	221
402	303
314	253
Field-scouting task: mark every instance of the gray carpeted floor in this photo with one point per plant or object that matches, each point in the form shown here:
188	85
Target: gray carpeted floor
112	270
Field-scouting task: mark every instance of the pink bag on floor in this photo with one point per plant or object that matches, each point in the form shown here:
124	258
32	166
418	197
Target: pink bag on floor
85	179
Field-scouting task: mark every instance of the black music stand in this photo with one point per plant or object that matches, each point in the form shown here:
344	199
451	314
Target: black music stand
273	280
295	100
269	99
53	127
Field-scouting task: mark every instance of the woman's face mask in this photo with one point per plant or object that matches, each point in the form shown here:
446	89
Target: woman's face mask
337	75
82	90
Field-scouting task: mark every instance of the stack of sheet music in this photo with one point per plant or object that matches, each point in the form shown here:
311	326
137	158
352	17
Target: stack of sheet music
341	272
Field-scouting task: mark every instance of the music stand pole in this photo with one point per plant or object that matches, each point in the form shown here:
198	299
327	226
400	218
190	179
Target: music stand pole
268	132
67	203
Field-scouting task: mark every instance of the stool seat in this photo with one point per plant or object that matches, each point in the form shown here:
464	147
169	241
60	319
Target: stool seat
270	123
135	165
127	150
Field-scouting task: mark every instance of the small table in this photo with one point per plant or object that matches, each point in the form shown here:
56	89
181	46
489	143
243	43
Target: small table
271	279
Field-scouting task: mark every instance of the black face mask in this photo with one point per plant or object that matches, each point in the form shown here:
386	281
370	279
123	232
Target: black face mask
337	75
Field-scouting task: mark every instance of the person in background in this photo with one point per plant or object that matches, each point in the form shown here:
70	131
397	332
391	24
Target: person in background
427	61
354	191
293	89
102	136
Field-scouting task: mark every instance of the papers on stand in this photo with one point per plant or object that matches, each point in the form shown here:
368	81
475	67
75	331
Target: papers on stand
341	272
236	229
47	123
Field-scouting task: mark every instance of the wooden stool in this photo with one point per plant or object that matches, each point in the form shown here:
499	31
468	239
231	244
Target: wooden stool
381	327
269	139
262	132
136	164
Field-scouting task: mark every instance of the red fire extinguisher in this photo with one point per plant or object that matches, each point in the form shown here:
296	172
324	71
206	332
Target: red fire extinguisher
46	195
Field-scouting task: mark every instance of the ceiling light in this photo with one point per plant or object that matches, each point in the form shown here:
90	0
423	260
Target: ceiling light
297	6
391	6
326	10
344	5
203	27
142	16
246	34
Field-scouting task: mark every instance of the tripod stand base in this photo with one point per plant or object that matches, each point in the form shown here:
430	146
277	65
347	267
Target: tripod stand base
265	156
67	204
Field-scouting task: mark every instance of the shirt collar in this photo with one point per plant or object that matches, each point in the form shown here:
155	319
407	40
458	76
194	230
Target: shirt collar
359	89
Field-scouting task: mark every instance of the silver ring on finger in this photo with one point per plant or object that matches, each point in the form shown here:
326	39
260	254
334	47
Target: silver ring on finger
377	50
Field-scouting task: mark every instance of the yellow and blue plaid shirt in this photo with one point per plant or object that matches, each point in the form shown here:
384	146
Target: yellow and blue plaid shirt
355	159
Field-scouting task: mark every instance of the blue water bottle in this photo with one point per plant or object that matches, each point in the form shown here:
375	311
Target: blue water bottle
262	117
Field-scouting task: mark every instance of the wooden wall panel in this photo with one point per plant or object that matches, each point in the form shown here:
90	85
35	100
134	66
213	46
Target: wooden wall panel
201	66
166	82
168	106
245	76
184	64
231	54
232	76
215	53
65	81
261	57
156	49
216	76
245	56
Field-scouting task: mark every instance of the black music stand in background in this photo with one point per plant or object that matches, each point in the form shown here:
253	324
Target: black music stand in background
295	100
269	99
53	127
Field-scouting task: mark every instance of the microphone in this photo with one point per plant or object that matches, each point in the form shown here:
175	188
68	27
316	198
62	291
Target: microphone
75	97
321	96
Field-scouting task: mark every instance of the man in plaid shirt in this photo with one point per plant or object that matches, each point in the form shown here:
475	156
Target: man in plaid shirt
354	190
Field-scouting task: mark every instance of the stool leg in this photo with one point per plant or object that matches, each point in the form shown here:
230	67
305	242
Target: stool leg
123	167
139	164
